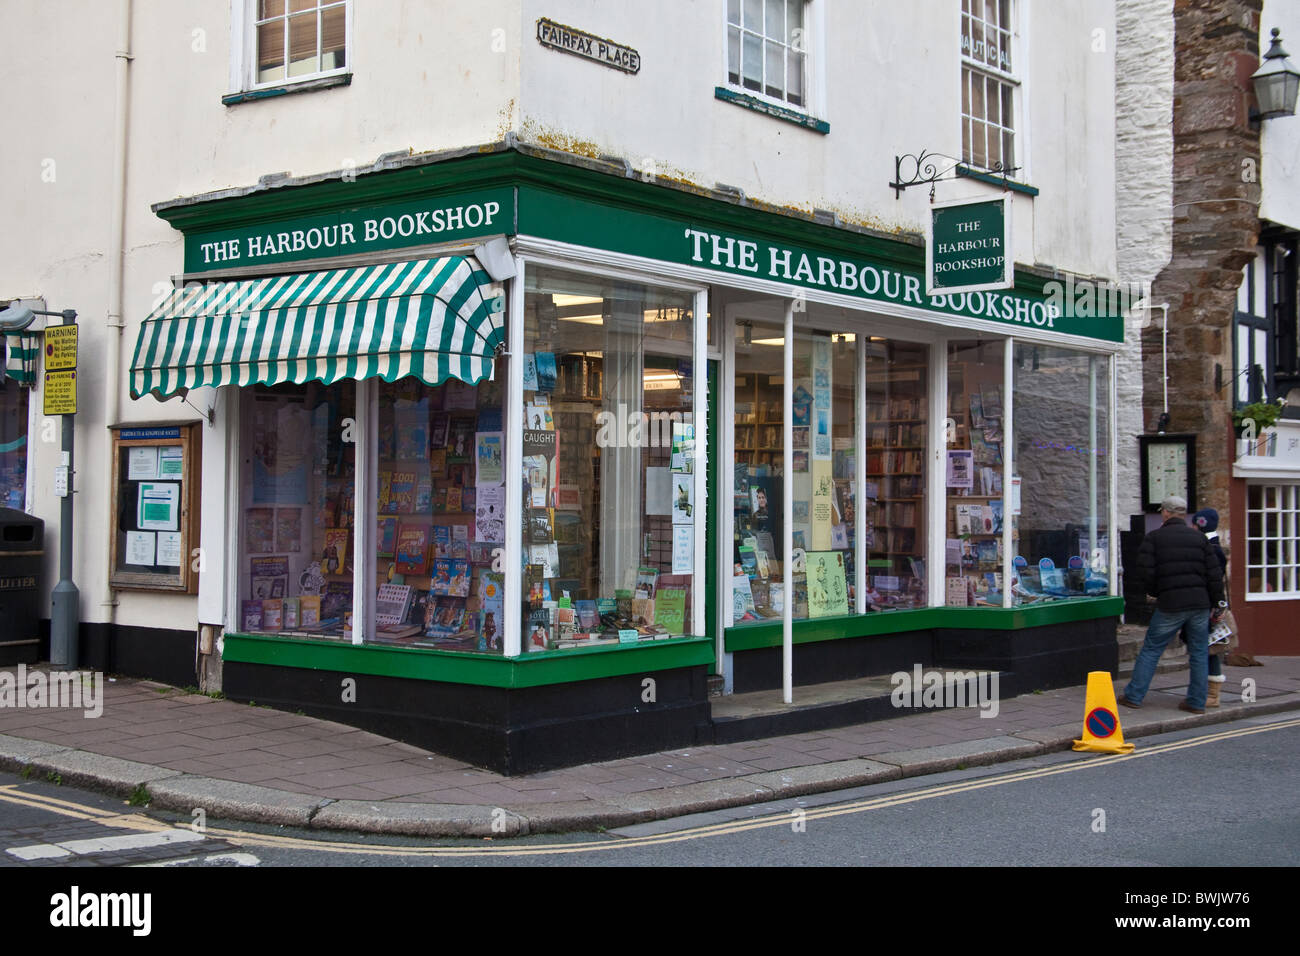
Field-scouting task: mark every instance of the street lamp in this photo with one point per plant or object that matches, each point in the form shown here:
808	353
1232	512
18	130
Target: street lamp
1276	84
64	601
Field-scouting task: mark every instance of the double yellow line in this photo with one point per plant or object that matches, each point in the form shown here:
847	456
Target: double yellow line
783	819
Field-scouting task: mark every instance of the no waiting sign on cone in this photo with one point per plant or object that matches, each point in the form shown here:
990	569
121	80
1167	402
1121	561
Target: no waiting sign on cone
1101	729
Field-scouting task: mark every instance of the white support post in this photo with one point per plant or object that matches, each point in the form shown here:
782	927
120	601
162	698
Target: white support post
366	436
1008	468
1092	459
727	481
700	417
936	487
512	627
860	476
1112	570
787	509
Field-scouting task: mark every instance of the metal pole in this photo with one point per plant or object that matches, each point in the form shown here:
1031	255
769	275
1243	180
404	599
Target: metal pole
65	601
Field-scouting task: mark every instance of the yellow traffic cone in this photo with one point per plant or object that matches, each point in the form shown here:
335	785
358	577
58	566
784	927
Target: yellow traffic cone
1101	729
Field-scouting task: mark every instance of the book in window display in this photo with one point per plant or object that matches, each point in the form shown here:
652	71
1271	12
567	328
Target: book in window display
401	495
334	552
412	549
269	577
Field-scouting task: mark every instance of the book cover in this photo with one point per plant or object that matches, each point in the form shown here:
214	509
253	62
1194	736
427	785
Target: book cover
538	630
336	601
452	504
412	430
460	542
423	495
309	611
292	610
392	604
441	535
539	526
288	530
827	588
386	539
438	430
460	438
742	599
412	550
401	495
438	463
748	561
269	577
646	581
546	371
963	520
670	610
251	615
272	614
259	530
588	615
334	553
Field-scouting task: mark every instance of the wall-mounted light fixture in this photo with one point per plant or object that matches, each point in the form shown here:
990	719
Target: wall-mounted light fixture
1276	84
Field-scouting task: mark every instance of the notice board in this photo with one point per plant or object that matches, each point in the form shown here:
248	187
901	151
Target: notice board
154	544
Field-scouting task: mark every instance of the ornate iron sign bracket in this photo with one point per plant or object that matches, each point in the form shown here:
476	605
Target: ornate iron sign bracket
927	167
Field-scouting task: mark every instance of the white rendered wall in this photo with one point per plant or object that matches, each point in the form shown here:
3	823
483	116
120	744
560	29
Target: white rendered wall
892	85
1280	138
1144	96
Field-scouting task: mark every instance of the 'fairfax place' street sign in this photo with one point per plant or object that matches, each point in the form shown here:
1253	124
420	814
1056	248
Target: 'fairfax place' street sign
587	45
968	246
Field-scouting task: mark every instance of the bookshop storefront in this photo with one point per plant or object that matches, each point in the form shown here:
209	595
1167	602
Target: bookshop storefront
515	456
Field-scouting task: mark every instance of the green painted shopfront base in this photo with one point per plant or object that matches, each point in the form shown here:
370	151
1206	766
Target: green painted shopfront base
563	708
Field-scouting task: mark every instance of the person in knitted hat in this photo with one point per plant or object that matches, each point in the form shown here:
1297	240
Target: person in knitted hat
1207	522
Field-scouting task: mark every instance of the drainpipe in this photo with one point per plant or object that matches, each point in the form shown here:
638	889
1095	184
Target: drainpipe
117	243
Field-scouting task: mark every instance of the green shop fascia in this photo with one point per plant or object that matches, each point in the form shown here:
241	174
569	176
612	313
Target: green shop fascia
539	454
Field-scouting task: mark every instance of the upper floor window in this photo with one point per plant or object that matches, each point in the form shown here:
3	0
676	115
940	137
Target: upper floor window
299	38
988	85
767	49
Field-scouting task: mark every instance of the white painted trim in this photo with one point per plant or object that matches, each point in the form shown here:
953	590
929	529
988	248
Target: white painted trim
1112	426
936	481
860	475
814	78
727	470
365	507
234	512
214	502
35	426
1008	411
662	273
512	627
700	415
787	508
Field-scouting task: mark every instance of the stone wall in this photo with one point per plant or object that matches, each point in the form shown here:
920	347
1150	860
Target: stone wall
1215	225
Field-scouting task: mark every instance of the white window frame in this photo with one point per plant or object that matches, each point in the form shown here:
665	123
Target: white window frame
1018	14
1287	540
814	59
243	50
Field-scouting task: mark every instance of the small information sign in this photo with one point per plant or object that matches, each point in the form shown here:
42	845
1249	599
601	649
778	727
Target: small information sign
61	393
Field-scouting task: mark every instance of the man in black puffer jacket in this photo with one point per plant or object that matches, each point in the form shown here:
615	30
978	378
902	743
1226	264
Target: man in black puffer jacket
1180	569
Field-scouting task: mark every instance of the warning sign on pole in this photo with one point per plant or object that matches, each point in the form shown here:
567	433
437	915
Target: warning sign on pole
60	347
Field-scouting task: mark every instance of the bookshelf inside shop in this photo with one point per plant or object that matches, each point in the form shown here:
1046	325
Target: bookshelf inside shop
973	553
896	436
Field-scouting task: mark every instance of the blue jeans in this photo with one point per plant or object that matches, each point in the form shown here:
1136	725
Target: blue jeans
1164	625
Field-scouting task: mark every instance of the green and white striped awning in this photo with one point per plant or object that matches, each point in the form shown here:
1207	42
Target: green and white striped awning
430	318
20	362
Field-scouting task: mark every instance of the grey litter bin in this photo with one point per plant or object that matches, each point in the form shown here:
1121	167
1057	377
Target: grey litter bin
22	550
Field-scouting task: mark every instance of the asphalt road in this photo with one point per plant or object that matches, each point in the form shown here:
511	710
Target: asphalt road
1225	796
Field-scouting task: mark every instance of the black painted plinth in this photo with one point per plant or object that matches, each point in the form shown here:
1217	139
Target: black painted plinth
510	731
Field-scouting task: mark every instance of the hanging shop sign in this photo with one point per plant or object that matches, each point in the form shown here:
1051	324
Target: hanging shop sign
395	225
966	246
566	39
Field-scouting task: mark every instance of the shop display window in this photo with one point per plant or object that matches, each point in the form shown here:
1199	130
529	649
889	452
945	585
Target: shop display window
13	444
1061	431
609	462
893	497
974	559
758	585
440	522
298	513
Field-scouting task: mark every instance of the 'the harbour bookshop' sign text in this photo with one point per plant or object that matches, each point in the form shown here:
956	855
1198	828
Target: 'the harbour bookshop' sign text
587	45
968	246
